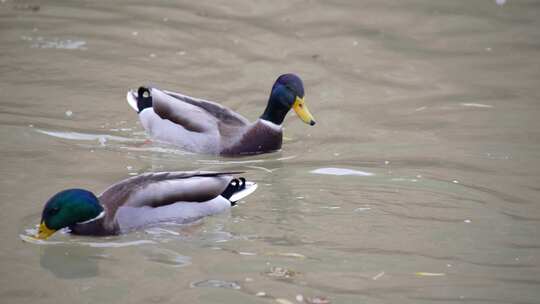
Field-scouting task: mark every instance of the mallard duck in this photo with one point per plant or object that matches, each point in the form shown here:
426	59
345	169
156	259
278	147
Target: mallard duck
203	126
143	200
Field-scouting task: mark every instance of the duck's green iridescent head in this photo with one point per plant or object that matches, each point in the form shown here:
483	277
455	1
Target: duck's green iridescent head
287	93
67	208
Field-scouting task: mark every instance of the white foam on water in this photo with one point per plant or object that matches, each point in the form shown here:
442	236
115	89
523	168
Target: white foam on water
35	241
161	231
476	105
330	207
116	244
84	136
341	171
56	43
156	149
430	274
262	168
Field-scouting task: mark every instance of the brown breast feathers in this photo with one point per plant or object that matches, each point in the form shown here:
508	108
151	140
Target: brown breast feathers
254	139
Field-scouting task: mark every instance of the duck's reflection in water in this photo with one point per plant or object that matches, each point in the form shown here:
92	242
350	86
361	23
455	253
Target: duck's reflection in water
71	262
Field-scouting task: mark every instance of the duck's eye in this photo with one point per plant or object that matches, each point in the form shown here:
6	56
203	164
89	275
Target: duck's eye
54	210
301	105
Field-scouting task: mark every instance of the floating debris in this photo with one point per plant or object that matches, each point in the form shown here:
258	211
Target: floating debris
281	272
102	141
216	284
69	113
318	300
287	254
27	7
378	276
260	294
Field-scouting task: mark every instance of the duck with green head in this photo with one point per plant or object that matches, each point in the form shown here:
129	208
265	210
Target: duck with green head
144	200
203	126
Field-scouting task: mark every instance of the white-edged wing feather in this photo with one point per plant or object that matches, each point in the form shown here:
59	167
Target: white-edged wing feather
250	188
132	100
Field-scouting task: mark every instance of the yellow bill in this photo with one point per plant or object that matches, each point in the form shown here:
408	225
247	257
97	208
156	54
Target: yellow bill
44	231
302	111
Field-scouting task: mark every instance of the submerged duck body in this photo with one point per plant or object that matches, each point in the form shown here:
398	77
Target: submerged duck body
141	201
203	126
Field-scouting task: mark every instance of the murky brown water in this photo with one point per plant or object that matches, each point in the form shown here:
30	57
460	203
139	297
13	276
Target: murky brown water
438	100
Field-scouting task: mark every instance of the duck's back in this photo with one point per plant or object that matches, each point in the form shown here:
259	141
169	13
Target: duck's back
156	197
218	111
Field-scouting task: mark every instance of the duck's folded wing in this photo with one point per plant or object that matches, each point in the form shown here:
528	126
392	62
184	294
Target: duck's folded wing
164	188
220	112
191	117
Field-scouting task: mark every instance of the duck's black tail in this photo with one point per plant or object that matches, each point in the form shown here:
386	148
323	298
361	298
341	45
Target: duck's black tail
144	99
235	186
